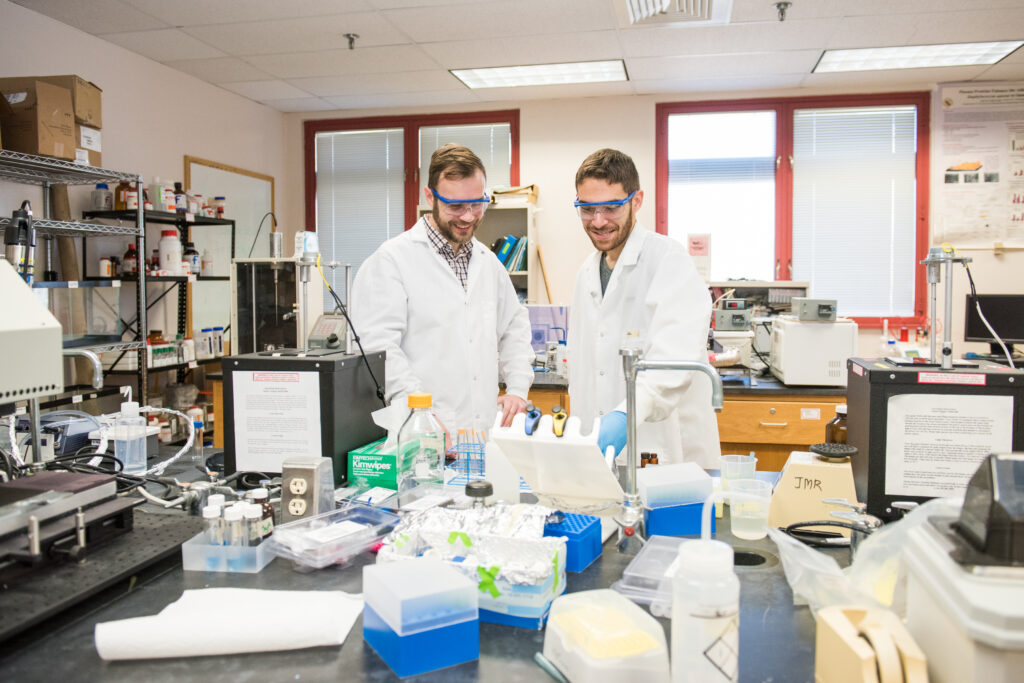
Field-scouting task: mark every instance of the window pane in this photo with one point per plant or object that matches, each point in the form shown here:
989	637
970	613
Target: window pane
359	197
721	181
492	142
854	197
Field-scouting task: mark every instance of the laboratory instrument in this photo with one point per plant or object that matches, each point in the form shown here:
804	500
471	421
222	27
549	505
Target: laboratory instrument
322	400
807	309
532	417
630	520
129	436
20	242
732	315
558	418
941	256
1005	312
812	352
909	422
272	307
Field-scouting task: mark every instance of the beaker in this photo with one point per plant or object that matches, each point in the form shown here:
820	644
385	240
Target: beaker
749	504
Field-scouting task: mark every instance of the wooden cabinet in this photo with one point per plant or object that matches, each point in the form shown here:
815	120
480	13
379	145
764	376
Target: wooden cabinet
773	425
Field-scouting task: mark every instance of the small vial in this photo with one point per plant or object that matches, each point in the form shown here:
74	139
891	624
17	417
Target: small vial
235	531
260	497
198	457
253	517
213	525
216	499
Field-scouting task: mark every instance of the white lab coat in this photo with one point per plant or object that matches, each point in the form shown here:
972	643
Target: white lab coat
440	338
655	290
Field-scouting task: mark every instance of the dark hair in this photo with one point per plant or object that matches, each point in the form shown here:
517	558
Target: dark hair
455	162
611	165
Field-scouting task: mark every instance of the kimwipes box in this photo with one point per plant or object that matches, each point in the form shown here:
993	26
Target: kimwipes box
40	119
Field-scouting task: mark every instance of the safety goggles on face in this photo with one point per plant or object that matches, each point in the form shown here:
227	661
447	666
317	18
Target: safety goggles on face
589	210
457	207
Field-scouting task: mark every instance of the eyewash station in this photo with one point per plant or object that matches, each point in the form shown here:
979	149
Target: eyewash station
371	544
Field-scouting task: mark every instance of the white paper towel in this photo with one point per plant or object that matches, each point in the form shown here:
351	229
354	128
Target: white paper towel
219	621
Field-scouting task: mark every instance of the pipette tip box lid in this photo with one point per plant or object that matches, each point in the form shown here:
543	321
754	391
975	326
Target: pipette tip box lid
583	539
420	615
675	520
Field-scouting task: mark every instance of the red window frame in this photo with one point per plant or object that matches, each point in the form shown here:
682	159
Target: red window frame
784	109
411	125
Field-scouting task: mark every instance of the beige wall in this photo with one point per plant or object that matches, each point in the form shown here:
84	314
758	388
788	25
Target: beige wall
152	115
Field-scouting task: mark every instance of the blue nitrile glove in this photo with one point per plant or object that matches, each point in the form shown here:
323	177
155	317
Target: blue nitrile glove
613	432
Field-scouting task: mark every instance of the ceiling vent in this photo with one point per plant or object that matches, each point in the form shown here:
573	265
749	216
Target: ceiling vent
672	12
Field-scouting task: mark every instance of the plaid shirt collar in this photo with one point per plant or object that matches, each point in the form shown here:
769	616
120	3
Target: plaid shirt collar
458	261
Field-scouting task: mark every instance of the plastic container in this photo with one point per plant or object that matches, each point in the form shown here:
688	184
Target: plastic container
583	539
130	438
198	455
170	251
646	580
675	520
218	205
213	525
206	264
835	430
673	484
737	467
421	440
969	625
749	511
102	199
131	200
601	637
333	537
705	613
199	556
217	342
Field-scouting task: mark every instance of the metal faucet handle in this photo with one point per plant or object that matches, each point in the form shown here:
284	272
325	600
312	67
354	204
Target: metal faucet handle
858	508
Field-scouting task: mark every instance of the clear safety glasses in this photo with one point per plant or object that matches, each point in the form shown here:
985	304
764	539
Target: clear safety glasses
590	210
457	207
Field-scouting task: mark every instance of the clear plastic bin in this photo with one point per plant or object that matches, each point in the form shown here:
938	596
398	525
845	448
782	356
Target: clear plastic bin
332	537
419	595
661	485
199	556
642	579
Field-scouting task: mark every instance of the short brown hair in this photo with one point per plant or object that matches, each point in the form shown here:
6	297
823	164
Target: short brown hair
611	165
455	162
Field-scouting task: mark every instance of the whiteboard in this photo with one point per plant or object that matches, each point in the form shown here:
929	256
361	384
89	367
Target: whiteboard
249	196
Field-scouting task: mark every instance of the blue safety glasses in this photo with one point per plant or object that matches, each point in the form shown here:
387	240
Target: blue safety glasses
589	210
457	207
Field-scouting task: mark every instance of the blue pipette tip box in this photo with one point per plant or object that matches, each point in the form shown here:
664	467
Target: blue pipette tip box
424	651
584	539
676	520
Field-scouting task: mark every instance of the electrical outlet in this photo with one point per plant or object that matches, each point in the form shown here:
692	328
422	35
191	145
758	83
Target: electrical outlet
298	486
297	507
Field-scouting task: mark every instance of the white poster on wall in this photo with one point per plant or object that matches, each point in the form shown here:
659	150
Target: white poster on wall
935	442
277	416
979	164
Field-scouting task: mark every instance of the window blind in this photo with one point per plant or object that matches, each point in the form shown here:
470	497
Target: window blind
492	142
854	195
359	197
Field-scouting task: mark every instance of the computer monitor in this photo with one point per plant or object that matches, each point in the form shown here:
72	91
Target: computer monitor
1004	312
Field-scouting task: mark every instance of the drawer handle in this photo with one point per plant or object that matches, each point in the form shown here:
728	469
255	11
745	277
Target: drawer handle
774	424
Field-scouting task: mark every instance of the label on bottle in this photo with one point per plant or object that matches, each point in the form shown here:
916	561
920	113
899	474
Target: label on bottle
709	635
266	526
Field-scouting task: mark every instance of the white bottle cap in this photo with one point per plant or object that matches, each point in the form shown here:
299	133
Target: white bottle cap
705	557
130	409
253	511
211	512
216	499
259	494
233	513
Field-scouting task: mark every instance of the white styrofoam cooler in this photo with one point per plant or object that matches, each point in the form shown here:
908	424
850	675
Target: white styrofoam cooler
969	625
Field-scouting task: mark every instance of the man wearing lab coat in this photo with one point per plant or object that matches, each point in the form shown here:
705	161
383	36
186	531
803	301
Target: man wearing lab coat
443	307
639	287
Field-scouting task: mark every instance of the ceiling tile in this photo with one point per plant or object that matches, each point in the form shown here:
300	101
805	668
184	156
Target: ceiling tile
969	27
523	50
550	92
164	45
95	16
300	104
525	17
703	66
696	85
201	12
265	90
362	84
708	40
854	32
408	99
903	78
399	4
220	69
386	58
306	34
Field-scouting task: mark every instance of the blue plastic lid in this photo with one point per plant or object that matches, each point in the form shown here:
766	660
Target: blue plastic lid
207	329
101	186
219	328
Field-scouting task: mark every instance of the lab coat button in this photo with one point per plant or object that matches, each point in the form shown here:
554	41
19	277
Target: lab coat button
601	372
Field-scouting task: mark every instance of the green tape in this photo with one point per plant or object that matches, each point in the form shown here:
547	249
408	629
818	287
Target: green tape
487	577
554	588
460	535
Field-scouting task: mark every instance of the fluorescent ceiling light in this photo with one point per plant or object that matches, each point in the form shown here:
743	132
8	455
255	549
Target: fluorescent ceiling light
914	56
543	74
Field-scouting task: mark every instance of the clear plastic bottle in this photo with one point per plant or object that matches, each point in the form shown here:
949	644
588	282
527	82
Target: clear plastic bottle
102	198
130	438
235	532
253	515
198	456
420	445
705	614
213	526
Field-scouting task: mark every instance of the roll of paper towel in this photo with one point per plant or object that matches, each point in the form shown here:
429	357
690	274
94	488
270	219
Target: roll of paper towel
220	621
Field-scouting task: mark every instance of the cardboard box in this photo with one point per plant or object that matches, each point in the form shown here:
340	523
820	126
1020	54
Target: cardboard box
41	120
86	98
88	146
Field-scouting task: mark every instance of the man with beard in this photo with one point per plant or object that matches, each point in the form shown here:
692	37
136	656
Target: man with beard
443	307
639	287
